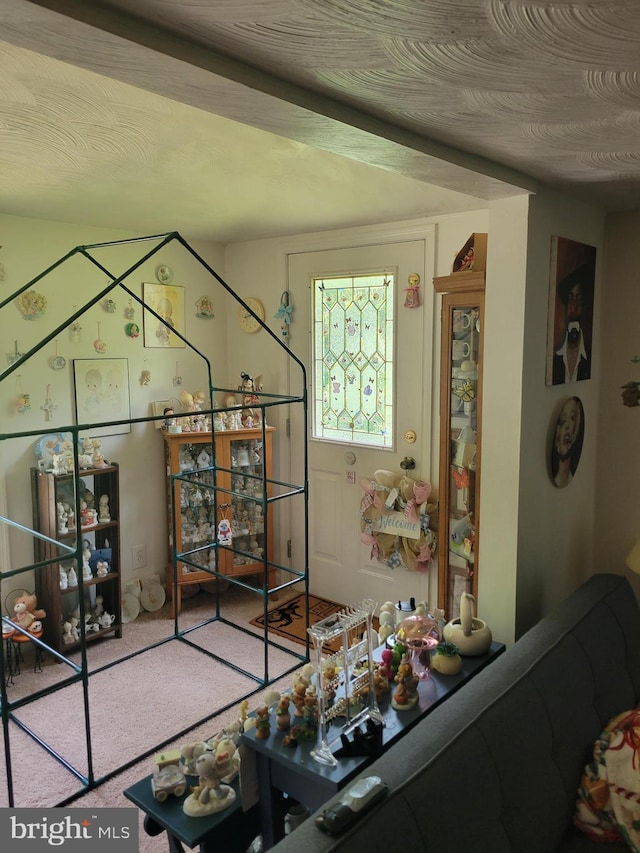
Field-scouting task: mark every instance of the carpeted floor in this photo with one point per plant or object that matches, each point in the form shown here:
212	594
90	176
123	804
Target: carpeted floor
138	703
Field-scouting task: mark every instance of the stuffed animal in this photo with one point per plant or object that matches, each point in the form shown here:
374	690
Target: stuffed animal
26	612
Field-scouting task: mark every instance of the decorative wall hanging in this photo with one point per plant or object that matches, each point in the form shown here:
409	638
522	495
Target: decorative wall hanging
145	375
177	379
99	345
204	308
164	274
129	311
132	330
57	362
109	306
102	394
75	331
12	357
284	313
570	321
32	304
49	406
168	303
23	401
412	293
395	518
568	437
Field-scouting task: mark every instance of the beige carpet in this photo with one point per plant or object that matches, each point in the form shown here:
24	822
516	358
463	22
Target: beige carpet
137	703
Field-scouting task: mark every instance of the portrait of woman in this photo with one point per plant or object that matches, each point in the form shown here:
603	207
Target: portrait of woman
567	442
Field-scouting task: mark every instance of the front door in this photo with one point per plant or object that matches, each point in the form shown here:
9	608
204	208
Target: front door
340	565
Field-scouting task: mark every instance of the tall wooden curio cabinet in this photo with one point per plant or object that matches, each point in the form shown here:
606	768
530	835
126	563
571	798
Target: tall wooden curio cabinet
462	321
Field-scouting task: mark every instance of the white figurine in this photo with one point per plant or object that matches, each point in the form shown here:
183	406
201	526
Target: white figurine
64	581
72	577
62	518
104	514
67	635
87	575
102	568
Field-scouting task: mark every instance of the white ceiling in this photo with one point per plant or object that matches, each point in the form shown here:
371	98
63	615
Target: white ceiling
237	119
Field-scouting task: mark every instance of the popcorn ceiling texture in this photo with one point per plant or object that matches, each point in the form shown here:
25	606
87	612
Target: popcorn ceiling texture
521	90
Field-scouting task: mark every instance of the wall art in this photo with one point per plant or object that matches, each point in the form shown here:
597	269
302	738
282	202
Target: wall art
167	301
566	445
570	319
102	394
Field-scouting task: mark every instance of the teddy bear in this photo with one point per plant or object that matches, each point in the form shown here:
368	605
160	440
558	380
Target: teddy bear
26	611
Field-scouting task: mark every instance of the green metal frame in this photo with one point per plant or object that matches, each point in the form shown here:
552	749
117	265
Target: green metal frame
80	672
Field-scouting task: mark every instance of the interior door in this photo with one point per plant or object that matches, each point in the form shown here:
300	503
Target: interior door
340	565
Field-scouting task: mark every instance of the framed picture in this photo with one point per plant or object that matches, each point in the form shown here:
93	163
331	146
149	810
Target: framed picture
102	394
570	319
167	301
567	441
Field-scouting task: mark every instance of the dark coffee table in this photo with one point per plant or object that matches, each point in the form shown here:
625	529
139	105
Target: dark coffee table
282	770
231	830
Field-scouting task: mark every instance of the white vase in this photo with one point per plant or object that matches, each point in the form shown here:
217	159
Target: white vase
471	635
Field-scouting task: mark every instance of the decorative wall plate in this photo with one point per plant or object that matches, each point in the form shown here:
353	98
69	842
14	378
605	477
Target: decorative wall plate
130	607
247	322
164	274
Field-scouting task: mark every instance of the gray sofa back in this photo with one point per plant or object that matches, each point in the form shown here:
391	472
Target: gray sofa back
495	768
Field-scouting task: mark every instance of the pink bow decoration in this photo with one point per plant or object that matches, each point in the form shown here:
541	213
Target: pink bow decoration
369	539
421	491
410	510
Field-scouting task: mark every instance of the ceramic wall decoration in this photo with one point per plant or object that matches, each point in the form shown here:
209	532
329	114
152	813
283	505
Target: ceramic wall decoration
204	308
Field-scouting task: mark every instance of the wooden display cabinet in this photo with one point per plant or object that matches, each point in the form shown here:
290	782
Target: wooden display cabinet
48	490
462	323
234	492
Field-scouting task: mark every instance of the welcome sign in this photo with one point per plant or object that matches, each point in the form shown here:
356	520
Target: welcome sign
397	524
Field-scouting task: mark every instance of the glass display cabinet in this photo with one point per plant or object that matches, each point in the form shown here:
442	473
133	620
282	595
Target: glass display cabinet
460	435
220	517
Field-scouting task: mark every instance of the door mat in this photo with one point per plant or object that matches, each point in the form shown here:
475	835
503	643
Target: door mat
288	619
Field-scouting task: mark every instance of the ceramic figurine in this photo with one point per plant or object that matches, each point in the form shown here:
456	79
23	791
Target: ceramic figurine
406	693
64	581
104	515
72	577
210	795
62	518
283	717
263	723
102	567
86	572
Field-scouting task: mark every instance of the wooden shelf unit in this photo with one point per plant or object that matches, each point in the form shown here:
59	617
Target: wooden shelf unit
47	489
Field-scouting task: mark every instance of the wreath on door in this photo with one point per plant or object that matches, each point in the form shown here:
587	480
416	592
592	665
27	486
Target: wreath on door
395	520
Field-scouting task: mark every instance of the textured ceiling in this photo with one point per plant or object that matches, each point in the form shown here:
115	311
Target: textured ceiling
482	97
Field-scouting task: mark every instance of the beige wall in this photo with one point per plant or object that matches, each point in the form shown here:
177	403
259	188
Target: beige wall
557	528
617	521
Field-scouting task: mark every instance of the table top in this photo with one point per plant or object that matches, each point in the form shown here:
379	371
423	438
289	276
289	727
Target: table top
432	691
169	814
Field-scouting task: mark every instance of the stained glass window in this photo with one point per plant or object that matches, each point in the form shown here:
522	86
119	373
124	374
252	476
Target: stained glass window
353	359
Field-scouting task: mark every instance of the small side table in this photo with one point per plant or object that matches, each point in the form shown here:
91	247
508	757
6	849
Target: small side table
230	830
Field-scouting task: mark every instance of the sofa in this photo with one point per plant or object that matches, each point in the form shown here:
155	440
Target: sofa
496	768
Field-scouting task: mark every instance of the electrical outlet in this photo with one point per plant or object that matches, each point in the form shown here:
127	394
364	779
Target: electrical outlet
139	556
